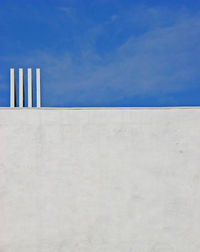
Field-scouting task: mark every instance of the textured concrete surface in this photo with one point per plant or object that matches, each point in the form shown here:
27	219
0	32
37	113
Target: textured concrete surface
100	180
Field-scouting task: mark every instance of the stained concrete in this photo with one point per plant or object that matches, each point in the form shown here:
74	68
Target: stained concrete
100	180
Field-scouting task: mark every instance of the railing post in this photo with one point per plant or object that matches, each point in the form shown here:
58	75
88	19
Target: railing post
21	88
30	99
12	88
38	87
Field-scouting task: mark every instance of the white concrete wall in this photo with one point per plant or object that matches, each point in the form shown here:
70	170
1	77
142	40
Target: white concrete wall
100	180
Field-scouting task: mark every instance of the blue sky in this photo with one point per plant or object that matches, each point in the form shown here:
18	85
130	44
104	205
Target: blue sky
104	52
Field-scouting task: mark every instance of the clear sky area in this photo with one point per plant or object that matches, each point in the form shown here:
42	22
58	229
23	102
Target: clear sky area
104	52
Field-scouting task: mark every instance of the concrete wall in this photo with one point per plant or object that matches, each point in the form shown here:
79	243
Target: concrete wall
100	180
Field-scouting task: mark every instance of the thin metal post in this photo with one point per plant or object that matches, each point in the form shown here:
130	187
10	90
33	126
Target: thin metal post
38	87
12	88
21	88
30	99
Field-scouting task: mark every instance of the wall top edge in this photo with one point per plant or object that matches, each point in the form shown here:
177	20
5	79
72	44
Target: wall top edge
101	108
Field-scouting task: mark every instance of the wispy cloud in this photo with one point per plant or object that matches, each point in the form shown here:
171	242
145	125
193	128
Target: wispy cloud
114	17
69	11
163	59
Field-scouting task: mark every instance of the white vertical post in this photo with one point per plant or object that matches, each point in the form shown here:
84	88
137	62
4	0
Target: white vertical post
12	88
21	88
30	88
38	87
